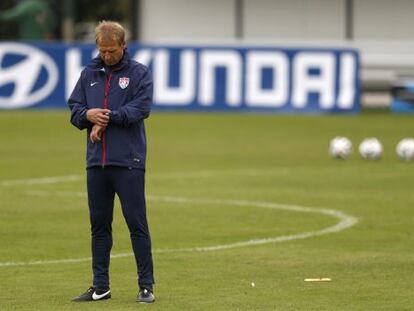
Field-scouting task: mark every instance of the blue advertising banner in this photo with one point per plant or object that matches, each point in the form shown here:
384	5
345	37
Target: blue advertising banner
205	78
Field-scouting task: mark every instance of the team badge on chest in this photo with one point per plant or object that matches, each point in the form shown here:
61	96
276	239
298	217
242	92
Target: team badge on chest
123	82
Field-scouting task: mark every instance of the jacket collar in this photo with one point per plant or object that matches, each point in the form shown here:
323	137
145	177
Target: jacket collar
98	64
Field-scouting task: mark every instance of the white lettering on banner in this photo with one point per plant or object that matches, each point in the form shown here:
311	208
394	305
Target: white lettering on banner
347	81
183	93
143	56
305	83
73	61
25	74
209	61
277	95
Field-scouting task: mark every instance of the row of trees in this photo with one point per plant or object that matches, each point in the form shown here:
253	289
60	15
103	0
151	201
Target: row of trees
60	19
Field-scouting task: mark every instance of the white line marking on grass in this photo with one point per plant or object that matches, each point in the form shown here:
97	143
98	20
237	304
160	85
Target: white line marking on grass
41	181
221	173
41	193
345	222
171	175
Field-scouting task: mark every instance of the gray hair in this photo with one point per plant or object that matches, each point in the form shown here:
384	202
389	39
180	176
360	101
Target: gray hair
109	30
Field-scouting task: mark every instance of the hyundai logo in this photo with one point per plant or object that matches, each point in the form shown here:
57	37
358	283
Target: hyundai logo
27	75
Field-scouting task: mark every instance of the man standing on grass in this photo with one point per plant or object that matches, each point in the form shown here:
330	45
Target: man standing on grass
111	100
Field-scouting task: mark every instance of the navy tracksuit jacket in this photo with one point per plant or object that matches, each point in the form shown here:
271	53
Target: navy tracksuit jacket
116	165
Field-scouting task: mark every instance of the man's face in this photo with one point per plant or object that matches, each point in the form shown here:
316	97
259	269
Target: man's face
110	51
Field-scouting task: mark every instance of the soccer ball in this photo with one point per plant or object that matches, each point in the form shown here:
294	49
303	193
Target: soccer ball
340	147
405	149
370	148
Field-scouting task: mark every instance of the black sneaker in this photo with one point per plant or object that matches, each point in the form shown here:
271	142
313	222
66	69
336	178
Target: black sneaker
93	294
145	295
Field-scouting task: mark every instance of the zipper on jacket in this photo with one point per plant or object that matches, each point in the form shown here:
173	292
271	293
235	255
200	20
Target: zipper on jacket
107	87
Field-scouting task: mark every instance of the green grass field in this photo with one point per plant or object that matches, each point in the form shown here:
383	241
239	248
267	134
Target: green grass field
208	176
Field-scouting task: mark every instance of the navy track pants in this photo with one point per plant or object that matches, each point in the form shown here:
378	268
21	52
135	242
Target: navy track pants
128	184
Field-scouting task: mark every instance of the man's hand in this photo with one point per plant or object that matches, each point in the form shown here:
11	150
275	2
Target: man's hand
98	116
96	133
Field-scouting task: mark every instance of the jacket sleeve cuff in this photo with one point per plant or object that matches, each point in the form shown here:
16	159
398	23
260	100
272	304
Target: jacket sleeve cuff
83	117
115	117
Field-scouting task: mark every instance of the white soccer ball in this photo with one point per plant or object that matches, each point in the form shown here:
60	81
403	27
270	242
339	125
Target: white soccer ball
340	147
370	148
405	149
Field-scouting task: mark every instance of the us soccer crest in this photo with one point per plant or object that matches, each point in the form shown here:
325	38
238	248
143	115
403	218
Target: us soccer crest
123	82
